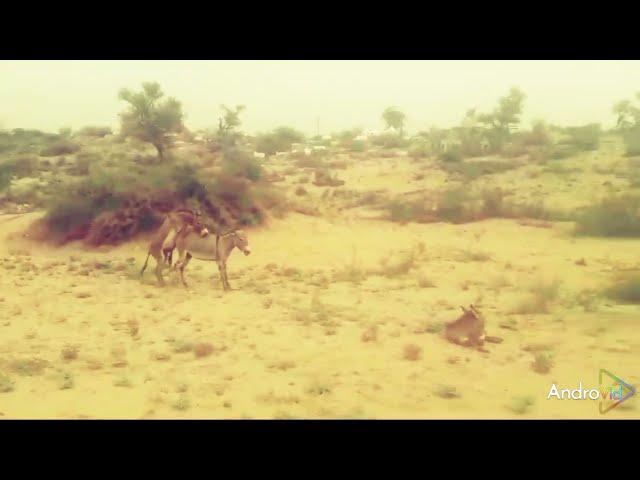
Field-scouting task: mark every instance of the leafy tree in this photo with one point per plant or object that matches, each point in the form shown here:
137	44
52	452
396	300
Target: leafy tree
628	124
150	118
347	138
628	114
227	133
279	140
504	117
394	118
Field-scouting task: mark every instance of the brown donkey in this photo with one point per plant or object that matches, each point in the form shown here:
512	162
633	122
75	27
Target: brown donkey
177	225
468	329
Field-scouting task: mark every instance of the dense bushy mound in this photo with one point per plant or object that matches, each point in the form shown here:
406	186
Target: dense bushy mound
111	205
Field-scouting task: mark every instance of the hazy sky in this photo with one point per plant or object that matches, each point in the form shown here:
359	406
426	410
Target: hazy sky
48	95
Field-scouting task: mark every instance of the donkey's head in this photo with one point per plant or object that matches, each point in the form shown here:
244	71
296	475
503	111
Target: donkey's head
198	225
200	228
471	313
240	241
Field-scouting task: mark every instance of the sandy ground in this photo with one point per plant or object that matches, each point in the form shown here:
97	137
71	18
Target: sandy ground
311	328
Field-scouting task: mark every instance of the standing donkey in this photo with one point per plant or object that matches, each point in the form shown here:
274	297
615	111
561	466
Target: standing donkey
175	226
211	248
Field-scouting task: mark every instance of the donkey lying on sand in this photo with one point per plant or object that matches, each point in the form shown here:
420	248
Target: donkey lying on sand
215	248
468	329
175	227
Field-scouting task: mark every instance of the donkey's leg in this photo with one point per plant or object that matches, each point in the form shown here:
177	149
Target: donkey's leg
183	265
159	268
221	270
226	279
168	245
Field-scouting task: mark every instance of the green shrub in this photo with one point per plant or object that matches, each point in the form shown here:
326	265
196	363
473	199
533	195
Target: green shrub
632	141
539	135
473	170
95	131
560	152
586	137
389	140
514	149
450	156
357	146
454	206
615	216
240	163
419	149
60	147
402	211
20	166
625	290
493	202
5	177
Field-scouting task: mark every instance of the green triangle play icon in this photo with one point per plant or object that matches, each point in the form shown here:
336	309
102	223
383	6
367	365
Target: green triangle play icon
625	391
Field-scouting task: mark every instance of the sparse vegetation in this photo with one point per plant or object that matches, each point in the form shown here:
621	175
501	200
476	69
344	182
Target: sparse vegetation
614	216
625	290
541	296
542	362
446	391
521	405
6	384
412	352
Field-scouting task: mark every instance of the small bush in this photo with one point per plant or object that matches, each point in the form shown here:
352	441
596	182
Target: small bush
60	147
6	384
389	140
615	216
69	352
412	352
521	405
538	136
419	149
357	146
310	162
559	152
542	362
632	142
98	132
473	170
203	349
454	206
66	381
239	163
541	296
446	391
450	156
625	290
586	137
402	211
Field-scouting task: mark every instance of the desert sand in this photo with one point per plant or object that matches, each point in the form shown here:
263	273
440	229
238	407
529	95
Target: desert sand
313	327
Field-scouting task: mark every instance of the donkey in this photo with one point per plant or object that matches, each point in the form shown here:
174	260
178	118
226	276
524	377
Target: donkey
174	227
215	249
468	329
